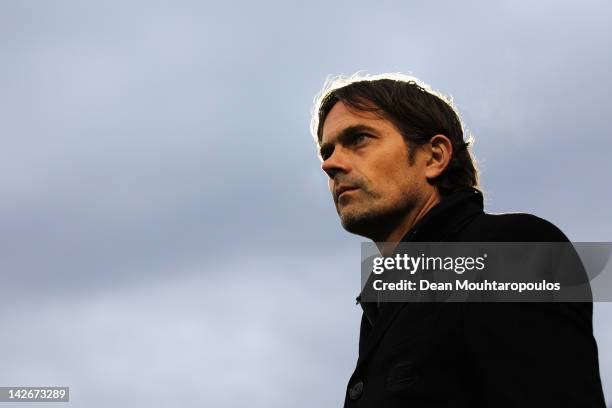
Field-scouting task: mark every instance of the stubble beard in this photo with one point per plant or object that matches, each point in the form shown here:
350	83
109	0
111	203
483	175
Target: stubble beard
374	220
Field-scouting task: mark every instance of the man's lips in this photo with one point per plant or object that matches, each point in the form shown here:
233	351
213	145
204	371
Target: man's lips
343	189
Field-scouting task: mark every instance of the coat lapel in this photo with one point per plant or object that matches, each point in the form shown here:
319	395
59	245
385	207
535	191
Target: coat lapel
390	312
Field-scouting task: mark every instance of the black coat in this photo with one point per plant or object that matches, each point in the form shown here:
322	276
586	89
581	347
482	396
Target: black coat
477	354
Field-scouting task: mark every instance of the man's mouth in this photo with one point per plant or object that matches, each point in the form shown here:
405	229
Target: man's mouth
344	189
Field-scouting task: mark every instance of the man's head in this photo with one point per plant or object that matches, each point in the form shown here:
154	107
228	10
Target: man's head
388	144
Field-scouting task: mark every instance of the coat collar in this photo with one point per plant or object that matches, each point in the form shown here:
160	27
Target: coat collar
447	217
440	223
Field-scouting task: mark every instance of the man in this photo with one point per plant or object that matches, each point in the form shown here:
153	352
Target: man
400	171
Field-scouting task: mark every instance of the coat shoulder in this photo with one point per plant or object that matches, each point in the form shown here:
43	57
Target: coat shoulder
512	227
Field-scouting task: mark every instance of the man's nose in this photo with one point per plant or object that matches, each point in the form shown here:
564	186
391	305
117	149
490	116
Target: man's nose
337	162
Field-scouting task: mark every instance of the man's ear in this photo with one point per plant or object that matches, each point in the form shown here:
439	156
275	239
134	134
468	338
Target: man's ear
441	151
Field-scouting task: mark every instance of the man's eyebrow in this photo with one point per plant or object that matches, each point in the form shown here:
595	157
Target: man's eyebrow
328	147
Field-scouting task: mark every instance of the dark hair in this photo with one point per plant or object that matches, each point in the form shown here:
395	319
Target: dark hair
418	112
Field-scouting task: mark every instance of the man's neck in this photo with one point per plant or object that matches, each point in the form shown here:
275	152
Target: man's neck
387	245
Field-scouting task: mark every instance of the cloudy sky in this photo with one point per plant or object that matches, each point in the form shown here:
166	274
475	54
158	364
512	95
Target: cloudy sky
167	238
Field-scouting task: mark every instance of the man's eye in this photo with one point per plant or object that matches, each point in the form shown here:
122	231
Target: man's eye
359	138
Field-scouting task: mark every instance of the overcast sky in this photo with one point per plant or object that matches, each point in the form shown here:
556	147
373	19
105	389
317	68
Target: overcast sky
167	238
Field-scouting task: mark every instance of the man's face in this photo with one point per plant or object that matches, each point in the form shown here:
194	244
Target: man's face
371	179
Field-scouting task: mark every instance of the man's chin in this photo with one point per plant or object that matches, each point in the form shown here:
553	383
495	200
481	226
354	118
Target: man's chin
374	225
363	225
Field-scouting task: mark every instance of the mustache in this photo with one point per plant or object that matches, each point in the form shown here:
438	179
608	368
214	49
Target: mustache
353	181
350	182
